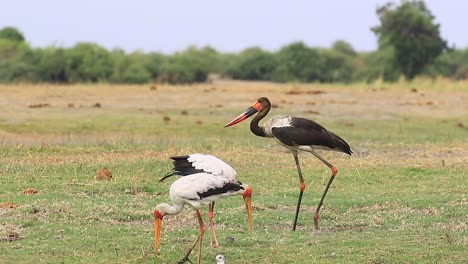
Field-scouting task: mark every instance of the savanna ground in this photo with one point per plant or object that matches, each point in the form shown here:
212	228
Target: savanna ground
401	198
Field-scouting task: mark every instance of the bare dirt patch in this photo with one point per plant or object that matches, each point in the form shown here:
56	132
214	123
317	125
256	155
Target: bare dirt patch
396	208
30	191
297	92
462	202
10	233
9	205
40	105
332	101
104	174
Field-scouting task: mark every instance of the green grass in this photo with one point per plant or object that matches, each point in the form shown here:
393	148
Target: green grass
400	199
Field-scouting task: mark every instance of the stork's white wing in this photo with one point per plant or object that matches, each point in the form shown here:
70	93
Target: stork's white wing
212	165
192	187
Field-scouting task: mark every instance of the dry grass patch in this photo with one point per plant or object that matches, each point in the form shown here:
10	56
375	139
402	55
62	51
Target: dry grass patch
9	233
9	205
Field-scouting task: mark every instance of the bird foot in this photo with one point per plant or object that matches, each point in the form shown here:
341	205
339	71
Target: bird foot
214	244
185	259
316	221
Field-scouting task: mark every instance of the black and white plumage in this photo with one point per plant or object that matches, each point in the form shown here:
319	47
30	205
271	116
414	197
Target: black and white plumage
204	180
296	134
204	163
197	163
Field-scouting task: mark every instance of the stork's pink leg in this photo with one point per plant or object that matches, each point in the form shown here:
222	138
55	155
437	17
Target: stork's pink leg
214	241
301	189
334	171
199	239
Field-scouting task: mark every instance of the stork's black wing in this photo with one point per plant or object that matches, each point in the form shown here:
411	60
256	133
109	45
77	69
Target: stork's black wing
305	132
182	167
229	186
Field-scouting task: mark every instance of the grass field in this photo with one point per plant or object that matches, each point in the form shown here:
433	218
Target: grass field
401	198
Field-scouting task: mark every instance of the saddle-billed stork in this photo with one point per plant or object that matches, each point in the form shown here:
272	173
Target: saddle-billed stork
205	180
296	134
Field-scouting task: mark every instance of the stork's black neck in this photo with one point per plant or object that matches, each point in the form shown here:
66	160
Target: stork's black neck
254	127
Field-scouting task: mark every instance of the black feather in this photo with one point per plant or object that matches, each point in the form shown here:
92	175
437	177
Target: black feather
230	186
182	167
305	132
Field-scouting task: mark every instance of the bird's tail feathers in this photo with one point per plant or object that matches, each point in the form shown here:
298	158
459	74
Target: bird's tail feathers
172	173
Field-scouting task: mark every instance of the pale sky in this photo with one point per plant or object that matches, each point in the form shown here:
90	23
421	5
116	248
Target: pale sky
228	26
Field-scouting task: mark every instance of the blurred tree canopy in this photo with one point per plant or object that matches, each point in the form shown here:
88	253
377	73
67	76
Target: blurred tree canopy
297	62
409	44
253	64
410	30
12	34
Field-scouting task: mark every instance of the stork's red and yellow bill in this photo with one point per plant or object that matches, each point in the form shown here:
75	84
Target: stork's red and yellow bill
158	217
246	114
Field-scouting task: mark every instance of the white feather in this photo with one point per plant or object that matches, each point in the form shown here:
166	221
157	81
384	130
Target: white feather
187	188
212	165
276	121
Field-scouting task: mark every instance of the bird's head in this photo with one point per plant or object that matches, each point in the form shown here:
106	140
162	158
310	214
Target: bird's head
220	259
248	203
159	213
262	104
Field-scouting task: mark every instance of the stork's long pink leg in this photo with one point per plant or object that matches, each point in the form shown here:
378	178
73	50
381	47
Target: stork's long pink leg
301	189
334	170
214	241
199	239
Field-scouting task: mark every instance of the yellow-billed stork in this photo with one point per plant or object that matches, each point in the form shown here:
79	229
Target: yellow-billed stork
296	134
205	180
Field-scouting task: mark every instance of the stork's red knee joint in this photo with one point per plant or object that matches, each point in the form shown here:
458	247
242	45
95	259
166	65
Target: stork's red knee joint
302	186
334	170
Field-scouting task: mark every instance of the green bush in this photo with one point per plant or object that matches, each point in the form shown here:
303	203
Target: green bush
376	65
17	61
336	66
188	66
153	63
254	64
12	34
121	63
52	65
88	62
297	62
136	73
344	48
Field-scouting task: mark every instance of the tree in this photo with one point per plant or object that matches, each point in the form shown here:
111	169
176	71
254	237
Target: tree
52	65
452	64
154	63
12	34
411	31
297	62
17	61
254	64
88	62
376	65
136	73
121	63
336	66
188	66
344	47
